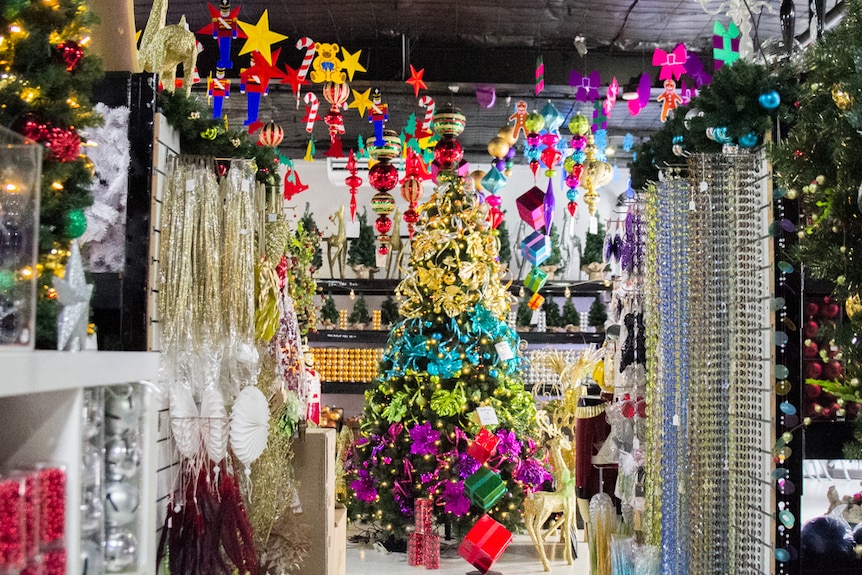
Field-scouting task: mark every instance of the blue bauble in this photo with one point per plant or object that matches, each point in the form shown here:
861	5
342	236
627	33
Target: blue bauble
572	195
749	140
721	136
769	100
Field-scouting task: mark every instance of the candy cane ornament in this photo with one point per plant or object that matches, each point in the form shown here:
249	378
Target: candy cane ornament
427	102
308	45
312	104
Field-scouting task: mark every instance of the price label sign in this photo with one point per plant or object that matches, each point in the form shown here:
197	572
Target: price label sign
487	416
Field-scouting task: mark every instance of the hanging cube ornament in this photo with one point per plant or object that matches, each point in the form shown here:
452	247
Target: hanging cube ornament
483	446
536	302
531	207
485	488
484	543
536	248
535	280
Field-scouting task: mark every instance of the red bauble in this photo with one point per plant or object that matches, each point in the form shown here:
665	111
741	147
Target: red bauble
383	176
812	391
69	53
572	207
448	152
383	225
383	250
810	329
811	309
833	370
411	216
270	135
810	351
830	310
353	181
534	167
813	370
551	157
30	127
495	216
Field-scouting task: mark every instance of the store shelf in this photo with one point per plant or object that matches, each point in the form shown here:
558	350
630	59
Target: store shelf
378	338
28	372
387	287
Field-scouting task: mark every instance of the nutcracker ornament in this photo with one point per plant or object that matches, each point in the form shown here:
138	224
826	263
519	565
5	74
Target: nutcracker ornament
218	89
378	116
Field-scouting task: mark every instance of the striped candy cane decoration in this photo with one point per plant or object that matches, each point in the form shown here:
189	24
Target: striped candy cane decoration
310	111
427	102
306	44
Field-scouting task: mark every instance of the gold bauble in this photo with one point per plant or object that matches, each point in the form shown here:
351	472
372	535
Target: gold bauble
477	176
842	99
88	165
449	278
498	147
509	134
853	307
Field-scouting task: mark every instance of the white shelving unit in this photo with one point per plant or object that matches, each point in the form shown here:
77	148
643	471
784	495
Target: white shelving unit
41	395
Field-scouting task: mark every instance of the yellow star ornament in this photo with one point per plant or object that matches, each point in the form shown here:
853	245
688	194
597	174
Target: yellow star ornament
350	63
260	37
361	101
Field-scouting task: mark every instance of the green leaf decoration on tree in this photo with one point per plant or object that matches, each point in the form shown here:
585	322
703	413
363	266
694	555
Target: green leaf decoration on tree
397	407
448	403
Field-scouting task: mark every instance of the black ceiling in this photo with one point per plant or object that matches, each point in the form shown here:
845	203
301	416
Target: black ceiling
469	43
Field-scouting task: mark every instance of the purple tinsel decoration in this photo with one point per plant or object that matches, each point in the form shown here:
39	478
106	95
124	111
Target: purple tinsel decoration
424	439
509	445
467	466
532	473
456	501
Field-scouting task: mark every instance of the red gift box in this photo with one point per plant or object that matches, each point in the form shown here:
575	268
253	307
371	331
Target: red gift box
484	543
483	446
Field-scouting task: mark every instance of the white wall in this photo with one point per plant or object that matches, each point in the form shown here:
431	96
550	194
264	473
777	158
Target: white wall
327	192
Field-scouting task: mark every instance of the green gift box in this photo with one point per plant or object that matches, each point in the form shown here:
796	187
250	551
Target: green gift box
485	488
535	280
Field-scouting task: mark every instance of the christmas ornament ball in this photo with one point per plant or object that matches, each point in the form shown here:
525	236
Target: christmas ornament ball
271	135
76	224
122	409
383	225
390	149
383	176
508	133
843	100
534	122
448	152
853	307
121	503
69	53
411	189
476	176
498	147
448	121
579	125
122	459
121	550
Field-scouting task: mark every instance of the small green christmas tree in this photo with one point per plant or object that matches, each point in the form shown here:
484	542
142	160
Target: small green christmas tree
361	250
593	247
505	242
552	313
570	313
389	313
313	231
556	253
360	312
525	314
597	315
328	313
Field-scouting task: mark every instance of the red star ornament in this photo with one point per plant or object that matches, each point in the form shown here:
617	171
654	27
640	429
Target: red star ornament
291	77
416	80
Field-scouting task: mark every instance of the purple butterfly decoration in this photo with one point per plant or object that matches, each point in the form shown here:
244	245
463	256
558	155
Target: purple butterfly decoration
639	103
694	68
672	63
587	86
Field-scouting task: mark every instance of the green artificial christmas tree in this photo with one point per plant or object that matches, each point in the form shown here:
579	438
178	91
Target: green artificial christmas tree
389	311
593	247
505	242
819	175
570	314
451	354
598	315
556	253
360	313
328	311
47	79
552	313
524	315
362	251
310	226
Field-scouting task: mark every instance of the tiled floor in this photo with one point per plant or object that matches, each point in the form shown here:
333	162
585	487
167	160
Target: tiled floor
519	559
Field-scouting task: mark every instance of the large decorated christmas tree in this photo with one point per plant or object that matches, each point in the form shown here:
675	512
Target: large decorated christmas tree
46	78
451	355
